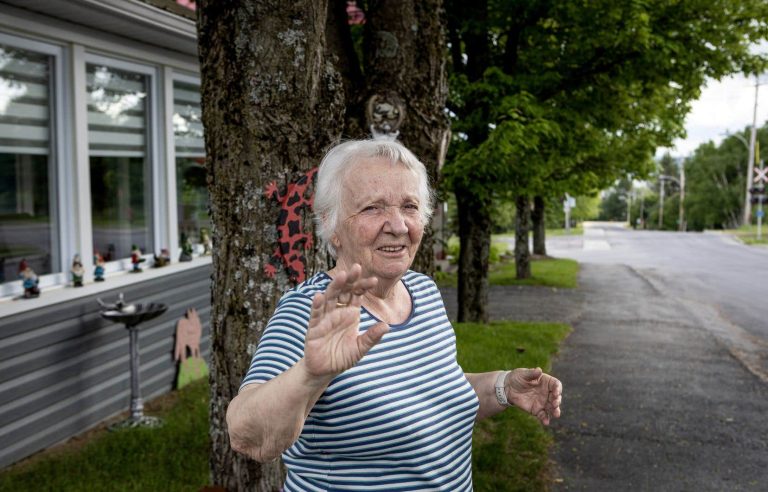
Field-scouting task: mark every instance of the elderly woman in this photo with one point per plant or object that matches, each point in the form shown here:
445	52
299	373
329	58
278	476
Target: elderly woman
355	380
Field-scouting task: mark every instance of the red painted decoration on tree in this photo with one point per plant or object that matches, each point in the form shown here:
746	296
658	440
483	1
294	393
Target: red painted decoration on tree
292	240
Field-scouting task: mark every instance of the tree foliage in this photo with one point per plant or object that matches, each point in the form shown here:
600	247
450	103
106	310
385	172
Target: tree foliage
715	183
568	96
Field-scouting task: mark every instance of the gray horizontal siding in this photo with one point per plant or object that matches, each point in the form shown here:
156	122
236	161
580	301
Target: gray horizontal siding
64	369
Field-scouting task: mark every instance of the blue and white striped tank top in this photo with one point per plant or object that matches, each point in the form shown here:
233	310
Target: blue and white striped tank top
401	419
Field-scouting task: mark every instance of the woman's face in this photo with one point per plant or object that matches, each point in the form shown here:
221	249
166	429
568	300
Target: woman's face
379	222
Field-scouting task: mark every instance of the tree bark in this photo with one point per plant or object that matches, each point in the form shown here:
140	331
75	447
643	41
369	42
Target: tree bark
404	52
522	227
271	105
475	247
539	226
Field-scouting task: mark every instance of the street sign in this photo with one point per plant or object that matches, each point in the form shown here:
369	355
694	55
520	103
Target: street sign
760	213
761	175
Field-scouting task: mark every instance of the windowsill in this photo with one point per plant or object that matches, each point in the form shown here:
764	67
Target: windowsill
63	293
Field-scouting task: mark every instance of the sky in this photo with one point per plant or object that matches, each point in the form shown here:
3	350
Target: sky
724	106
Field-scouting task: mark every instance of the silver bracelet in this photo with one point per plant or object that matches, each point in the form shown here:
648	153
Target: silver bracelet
501	394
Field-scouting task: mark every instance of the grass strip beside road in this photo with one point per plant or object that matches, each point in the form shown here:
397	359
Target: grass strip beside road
748	234
509	450
547	272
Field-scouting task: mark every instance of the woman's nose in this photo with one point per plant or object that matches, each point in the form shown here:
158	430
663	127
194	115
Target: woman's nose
395	221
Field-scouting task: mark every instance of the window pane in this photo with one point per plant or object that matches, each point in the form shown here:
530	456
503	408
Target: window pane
120	177
191	188
26	173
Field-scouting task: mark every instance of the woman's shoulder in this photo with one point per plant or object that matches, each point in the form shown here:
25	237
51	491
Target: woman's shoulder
419	282
308	288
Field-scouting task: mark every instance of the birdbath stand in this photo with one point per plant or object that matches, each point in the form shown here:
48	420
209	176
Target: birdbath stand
132	315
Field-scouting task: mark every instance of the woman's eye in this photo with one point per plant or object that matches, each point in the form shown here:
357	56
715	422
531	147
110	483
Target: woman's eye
370	208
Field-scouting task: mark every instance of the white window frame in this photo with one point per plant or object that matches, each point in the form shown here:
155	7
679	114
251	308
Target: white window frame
60	184
155	148
173	216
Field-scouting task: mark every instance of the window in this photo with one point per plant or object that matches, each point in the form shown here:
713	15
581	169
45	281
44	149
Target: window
28	227
118	148
191	188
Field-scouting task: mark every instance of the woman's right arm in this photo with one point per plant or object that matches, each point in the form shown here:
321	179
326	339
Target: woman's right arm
266	419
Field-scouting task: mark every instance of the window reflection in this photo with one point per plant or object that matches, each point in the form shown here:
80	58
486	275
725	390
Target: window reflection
191	188
26	174
120	176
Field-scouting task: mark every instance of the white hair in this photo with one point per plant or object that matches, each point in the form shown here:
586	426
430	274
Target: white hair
346	155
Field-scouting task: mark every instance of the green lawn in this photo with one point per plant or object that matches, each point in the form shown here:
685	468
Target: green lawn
575	231
549	272
748	234
509	453
171	458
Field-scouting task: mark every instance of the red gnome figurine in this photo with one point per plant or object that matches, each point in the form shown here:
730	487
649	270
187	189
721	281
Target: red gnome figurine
136	259
29	280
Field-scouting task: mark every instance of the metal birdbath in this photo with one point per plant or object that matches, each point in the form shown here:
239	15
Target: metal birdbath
132	315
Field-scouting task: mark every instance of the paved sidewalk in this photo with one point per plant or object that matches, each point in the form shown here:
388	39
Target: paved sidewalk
526	303
652	400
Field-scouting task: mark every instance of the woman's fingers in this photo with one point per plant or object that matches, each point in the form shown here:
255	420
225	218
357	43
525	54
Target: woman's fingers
371	337
347	288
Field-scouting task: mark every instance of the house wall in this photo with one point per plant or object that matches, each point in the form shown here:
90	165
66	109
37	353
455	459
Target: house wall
64	369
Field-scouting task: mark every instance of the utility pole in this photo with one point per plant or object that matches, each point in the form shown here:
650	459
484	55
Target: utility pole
681	226
751	161
681	183
661	201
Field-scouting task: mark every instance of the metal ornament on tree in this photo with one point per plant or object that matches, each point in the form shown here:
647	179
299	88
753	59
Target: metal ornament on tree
384	114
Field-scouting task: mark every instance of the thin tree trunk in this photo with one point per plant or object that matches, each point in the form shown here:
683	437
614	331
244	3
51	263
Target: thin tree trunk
270	107
404	53
522	227
539	226
475	240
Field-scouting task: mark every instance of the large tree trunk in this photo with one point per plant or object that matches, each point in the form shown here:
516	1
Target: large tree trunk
539	226
522	227
404	54
475	241
271	105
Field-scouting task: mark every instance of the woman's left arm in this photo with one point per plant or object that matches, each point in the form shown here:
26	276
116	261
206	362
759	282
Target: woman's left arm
531	390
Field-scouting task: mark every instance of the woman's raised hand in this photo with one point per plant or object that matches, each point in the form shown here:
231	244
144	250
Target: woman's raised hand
333	343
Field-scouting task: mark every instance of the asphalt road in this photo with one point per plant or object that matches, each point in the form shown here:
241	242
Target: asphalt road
665	373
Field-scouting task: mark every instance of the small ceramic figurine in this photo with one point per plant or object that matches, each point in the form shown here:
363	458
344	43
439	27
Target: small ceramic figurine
205	239
29	280
186	248
77	271
98	269
136	259
163	259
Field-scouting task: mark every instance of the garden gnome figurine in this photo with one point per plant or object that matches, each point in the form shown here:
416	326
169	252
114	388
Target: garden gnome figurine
136	259
29	280
77	271
98	270
205	238
163	259
186	248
